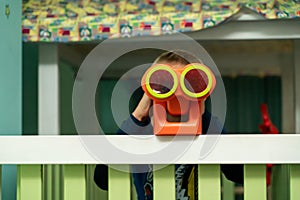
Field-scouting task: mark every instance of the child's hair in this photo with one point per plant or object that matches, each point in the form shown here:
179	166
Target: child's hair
177	56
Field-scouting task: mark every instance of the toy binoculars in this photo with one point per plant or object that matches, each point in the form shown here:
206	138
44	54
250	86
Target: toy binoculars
178	96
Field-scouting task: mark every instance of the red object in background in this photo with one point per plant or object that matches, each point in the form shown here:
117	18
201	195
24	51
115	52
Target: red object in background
25	30
267	127
64	32
189	24
105	29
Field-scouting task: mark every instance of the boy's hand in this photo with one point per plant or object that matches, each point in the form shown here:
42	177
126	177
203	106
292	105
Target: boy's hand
141	112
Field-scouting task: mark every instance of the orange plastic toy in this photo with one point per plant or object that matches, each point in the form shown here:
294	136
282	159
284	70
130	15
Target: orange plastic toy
178	95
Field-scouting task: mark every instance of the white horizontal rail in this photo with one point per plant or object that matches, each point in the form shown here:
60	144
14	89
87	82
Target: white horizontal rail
282	148
250	30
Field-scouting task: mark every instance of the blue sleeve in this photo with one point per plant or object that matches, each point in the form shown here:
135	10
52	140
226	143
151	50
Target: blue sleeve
132	126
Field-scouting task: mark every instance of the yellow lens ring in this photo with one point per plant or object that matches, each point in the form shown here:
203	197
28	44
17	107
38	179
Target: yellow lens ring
209	77
149	74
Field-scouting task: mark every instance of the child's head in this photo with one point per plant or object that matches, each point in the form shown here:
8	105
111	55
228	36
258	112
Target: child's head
178	84
177	58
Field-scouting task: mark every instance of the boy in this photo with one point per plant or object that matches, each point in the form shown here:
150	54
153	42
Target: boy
139	122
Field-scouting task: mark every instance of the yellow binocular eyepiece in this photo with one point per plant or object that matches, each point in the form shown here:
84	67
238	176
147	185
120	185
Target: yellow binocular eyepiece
161	81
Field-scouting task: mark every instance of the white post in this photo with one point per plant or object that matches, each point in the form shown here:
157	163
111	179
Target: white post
48	90
48	111
297	84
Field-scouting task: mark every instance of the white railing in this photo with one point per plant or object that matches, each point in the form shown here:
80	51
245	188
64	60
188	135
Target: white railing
246	148
72	153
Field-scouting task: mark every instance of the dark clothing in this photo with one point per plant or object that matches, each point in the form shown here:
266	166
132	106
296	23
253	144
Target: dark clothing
143	181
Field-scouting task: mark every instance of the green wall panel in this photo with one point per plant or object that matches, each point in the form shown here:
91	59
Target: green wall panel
232	102
10	84
67	77
245	94
105	116
102	98
11	69
273	98
30	89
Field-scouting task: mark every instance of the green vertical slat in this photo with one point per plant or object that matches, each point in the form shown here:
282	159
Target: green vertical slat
74	186
255	182
57	180
280	182
51	182
295	182
118	184
47	173
164	182
209	187
29	184
90	192
228	189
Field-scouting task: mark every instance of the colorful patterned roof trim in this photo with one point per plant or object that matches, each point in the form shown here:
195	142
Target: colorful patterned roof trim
86	20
